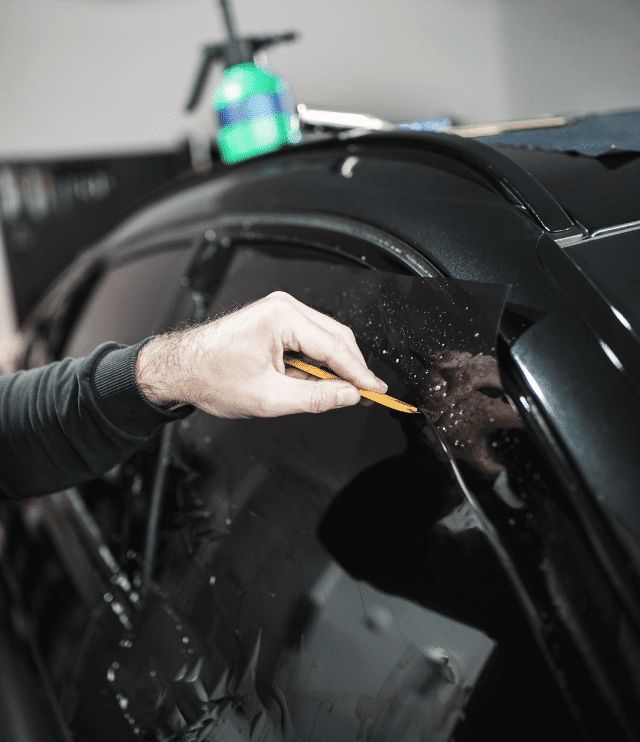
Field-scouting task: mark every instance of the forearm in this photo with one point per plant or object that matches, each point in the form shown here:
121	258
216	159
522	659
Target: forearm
70	421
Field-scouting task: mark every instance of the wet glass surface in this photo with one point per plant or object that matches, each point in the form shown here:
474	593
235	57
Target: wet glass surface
326	577
286	618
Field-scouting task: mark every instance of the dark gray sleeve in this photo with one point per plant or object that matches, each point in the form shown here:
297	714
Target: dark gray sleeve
72	420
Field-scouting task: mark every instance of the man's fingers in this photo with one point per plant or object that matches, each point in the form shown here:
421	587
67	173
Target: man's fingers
335	352
289	396
330	325
296	373
325	339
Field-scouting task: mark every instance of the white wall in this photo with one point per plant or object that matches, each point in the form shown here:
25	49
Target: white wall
87	75
570	55
402	60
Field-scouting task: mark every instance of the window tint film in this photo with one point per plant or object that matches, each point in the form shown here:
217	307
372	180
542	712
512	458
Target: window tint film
406	326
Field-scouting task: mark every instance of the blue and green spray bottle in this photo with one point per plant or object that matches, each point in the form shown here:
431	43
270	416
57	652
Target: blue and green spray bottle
253	105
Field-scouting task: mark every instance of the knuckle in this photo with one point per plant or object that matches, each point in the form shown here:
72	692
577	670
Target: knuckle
349	334
278	304
320	400
345	348
264	405
280	296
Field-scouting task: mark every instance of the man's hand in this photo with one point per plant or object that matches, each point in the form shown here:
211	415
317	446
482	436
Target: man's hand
233	367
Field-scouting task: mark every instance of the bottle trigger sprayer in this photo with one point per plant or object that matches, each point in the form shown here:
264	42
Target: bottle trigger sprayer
253	105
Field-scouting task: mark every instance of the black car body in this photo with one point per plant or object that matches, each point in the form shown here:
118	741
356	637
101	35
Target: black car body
356	575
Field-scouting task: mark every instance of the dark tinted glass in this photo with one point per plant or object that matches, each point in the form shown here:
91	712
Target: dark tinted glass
322	577
131	301
313	571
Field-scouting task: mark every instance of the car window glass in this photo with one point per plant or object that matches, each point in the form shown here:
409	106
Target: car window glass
130	302
325	574
270	525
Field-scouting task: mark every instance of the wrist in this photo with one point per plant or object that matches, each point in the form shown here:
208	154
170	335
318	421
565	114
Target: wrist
158	371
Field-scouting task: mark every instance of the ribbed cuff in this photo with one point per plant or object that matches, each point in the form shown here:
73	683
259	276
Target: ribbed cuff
119	397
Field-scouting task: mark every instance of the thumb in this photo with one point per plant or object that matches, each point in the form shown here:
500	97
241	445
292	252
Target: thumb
301	395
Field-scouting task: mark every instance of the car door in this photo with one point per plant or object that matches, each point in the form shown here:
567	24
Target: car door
313	577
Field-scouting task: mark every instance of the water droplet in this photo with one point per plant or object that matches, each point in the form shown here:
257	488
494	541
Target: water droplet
185	639
122	581
212	580
123	701
228	521
378	619
108	597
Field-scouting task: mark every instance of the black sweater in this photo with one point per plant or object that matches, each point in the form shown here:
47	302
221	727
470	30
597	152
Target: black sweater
70	421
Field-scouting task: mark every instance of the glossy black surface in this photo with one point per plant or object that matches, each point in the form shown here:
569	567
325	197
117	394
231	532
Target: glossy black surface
452	219
357	575
600	277
597	192
611	265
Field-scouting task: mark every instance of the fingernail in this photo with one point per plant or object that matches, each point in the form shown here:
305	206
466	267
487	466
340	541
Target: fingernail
382	386
347	395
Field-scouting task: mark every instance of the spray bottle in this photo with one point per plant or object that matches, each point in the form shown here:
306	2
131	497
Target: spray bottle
253	106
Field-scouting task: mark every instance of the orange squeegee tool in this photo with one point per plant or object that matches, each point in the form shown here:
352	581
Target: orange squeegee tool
320	373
